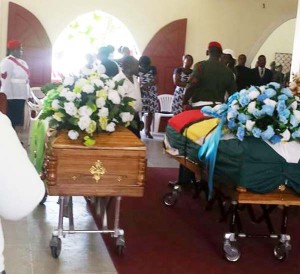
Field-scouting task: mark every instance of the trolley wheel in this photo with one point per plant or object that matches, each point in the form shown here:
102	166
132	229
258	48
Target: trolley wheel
231	252
44	199
170	199
120	243
281	252
55	246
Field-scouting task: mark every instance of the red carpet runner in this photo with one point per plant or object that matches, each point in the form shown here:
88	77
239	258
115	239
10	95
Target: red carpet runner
186	239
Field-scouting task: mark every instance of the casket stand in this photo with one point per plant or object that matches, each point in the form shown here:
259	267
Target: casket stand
114	167
246	173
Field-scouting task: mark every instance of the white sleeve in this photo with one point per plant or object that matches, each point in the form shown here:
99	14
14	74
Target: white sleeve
21	188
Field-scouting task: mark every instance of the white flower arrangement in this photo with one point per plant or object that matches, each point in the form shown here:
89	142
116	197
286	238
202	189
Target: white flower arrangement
87	105
268	112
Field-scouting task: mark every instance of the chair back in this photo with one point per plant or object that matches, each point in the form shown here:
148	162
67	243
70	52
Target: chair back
3	103
165	102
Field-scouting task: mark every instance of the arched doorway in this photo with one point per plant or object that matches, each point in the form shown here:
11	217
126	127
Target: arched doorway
279	42
85	35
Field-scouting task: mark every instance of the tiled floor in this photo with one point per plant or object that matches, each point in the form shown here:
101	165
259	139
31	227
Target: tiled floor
27	241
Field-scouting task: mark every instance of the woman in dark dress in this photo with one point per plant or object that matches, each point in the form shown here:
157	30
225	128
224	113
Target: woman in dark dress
147	74
180	77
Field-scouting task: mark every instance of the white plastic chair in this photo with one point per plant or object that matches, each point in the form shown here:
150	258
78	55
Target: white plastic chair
165	102
32	109
37	91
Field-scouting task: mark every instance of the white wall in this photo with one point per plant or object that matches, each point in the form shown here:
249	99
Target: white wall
281	40
242	25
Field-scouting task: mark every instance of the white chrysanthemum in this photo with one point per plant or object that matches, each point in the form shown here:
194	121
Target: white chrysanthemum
68	81
100	102
70	108
103	112
71	96
88	88
63	92
297	114
111	84
249	125
111	127
253	94
85	111
126	117
81	82
84	122
55	104
97	82
86	71
73	134
270	102
286	135
251	107
114	96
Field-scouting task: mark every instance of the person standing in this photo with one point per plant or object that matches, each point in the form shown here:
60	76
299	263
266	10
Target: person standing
181	76
228	58
21	188
147	74
210	81
243	73
107	66
261	75
131	88
125	51
15	83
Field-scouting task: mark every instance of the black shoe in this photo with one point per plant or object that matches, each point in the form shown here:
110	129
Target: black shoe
148	135
3	272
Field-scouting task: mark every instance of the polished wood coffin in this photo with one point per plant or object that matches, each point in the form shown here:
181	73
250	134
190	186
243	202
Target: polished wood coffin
114	166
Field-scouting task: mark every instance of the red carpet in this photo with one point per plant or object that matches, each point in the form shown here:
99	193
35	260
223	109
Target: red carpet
187	239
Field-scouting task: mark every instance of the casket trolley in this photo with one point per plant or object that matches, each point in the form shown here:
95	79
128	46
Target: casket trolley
238	197
112	168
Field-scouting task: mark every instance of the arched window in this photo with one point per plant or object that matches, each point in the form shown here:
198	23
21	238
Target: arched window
85	35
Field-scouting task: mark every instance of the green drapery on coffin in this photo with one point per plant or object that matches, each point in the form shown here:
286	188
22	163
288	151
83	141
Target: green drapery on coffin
250	163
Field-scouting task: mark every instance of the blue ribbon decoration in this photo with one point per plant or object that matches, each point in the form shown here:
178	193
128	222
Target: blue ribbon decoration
208	152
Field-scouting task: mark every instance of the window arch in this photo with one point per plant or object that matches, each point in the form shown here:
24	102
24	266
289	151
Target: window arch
85	35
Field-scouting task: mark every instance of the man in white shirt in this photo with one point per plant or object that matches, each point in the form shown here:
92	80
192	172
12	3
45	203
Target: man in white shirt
15	82
131	86
21	188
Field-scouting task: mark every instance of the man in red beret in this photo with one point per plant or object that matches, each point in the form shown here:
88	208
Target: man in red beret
15	83
210	81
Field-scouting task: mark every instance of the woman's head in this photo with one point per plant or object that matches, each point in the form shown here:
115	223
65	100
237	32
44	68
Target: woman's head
187	60
145	61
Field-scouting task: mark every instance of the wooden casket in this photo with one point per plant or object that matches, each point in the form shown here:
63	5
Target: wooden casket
114	166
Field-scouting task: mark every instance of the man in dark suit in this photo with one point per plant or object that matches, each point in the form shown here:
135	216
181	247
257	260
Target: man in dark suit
261	75
243	73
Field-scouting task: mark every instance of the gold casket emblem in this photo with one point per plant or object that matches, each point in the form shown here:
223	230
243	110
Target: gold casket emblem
97	170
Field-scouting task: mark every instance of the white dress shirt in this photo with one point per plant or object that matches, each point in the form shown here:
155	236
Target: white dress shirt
131	89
